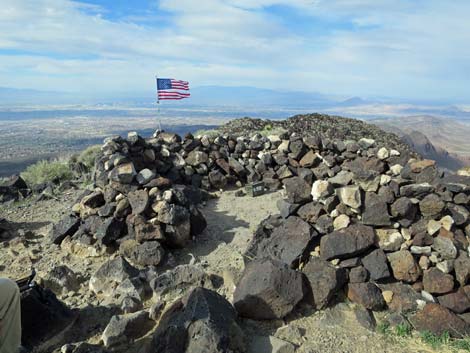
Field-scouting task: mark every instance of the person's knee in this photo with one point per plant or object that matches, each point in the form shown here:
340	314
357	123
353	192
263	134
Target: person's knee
9	288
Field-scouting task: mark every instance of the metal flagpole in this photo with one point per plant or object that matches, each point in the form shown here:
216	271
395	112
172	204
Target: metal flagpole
158	106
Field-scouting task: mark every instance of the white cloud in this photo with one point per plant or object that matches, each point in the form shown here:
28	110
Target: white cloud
372	48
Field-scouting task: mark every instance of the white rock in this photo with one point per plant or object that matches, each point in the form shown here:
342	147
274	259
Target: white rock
274	138
421	250
389	239
145	175
366	143
447	222
385	179
340	222
383	153
321	189
433	227
420	304
428	296
284	146
350	196
405	232
334	213
394	153
396	169
445	266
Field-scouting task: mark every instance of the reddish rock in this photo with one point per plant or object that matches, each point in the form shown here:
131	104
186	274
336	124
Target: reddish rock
366	294
437	320
404	297
437	282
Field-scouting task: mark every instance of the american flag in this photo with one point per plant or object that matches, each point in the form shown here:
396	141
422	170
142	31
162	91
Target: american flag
168	88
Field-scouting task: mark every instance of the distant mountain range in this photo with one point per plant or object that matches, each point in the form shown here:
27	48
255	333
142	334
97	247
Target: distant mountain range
443	139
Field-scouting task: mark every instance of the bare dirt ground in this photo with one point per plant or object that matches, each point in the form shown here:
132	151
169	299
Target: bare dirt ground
231	222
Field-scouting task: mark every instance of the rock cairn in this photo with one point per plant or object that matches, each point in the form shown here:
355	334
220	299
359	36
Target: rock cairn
365	218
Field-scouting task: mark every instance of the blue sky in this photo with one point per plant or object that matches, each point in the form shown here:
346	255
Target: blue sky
401	48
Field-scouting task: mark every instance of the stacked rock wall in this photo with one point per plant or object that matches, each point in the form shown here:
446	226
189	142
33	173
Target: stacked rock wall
370	220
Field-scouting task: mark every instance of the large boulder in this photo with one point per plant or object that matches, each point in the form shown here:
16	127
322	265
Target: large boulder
268	290
13	188
347	242
201	322
289	242
325	280
61	279
437	319
149	253
458	302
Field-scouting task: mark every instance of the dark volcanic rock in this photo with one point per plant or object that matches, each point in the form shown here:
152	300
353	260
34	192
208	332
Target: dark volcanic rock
462	268
288	242
139	201
111	273
217	179
437	320
110	230
377	265
66	226
358	275
297	190
201	322
375	210
268	290
457	302
150	253
347	242
404	210
180	278
325	280
404	297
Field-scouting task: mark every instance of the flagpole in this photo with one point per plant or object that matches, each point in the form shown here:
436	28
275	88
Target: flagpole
158	106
